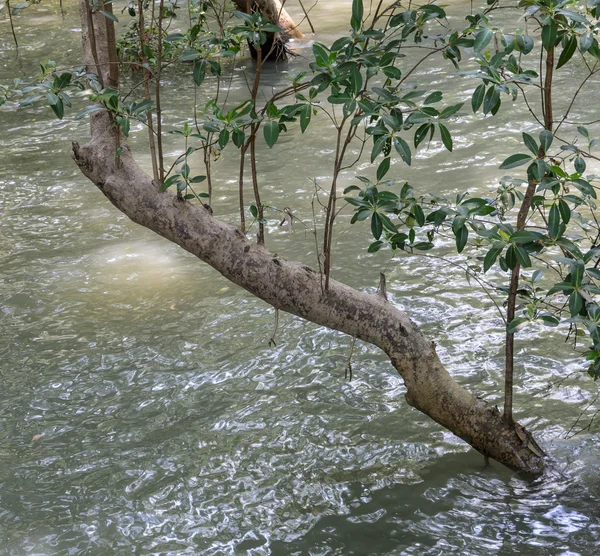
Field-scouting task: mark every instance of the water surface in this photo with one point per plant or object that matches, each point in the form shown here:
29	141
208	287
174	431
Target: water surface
171	427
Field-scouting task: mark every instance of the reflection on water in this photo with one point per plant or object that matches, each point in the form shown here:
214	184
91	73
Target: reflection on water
142	410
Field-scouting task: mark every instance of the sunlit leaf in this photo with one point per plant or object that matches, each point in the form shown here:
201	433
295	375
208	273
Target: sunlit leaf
515	160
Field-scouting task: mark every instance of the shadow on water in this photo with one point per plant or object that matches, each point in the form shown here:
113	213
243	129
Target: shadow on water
460	506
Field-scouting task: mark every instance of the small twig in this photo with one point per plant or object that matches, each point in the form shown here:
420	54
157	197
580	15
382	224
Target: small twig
147	76
241	188
161	167
568	433
272	342
348	370
314	216
12	26
312	29
92	35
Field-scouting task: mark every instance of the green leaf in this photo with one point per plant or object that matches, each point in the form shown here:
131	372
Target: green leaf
446	137
356	80
492	255
321	54
570	247
270	28
585	42
524	43
383	168
575	303
585	187
378	146
223	138
433	98
516	324
548	320
491	100
462	234
172	37
254	211
188	55
430	111
376	225
546	138
573	16
482	39
526	236
554	222
421	133
238	137
530	143
515	160
52	99
423	246
562	287
271	132
58	109
211	127
567	52
374	247
418	214
125	125
565	211
577	272
392	72
169	182
477	97
88	110
549	35
403	149
387	223
199	72
511	257
451	110
109	15
579	165
241	15
357	14
522	256
185	170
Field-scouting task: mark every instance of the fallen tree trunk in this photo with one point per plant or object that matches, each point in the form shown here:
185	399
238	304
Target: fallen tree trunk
294	287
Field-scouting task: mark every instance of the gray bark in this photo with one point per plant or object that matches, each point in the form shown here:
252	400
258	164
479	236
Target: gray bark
298	289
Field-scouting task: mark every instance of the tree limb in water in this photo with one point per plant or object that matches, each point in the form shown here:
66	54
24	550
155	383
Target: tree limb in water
296	288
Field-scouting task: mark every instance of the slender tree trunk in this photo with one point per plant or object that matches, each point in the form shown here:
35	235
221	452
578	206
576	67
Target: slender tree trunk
509	347
297	288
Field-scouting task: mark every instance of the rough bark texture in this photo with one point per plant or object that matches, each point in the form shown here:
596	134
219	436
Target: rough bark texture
297	289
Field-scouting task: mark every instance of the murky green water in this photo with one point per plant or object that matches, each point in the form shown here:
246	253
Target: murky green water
170	427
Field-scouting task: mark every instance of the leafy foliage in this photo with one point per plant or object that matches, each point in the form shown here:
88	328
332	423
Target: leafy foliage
361	82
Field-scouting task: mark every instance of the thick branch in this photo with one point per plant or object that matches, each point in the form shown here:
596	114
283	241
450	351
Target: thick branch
297	289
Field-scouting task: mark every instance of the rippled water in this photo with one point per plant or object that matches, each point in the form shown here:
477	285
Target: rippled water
169	426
